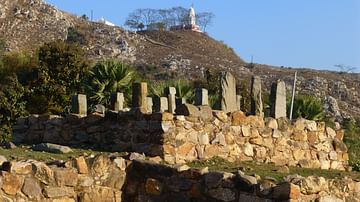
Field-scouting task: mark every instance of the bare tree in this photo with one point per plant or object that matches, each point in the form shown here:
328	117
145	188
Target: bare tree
345	68
204	19
167	17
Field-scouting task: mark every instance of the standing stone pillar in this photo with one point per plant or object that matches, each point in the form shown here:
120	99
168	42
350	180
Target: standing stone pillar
117	101
278	99
201	96
161	104
228	92
149	104
256	100
79	104
172	99
238	102
139	97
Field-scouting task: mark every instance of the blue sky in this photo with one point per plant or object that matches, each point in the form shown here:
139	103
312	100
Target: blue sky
301	33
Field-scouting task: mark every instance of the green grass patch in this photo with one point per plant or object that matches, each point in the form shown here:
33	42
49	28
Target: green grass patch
268	170
25	152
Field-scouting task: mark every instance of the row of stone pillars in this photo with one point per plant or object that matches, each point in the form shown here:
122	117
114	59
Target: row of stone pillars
229	100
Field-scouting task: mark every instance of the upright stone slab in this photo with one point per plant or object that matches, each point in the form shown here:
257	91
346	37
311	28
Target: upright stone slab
228	92
172	99
201	96
79	104
256	100
278	99
161	104
180	101
238	102
139	97
149	104
117	101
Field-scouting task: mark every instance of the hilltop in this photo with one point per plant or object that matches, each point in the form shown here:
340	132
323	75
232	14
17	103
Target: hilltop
26	24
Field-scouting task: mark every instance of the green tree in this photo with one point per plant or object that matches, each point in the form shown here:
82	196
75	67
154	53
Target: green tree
61	68
107	77
308	107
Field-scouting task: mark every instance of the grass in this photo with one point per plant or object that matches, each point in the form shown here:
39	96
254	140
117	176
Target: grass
268	170
25	152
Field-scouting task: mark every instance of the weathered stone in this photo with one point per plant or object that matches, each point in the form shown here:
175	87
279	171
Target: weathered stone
56	192
339	146
221	115
330	132
246	131
136	156
248	150
52	148
171	99
2	159
120	163
81	165
149	104
228	92
340	134
11	183
100	109
237	118
100	165
161	104
329	198
79	104
65	176
256	99
99	194
43	173
238	102
278	99
324	164
201	96
21	167
85	181
333	155
153	186
117	101
213	179
206	113
32	189
285	191
283	169
139	96
203	138
310	125
312	137
271	123
299	135
222	194
188	110
313	185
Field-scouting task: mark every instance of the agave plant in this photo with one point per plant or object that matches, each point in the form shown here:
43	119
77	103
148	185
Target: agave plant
308	107
107	77
184	89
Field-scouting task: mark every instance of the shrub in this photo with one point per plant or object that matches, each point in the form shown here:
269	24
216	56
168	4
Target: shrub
108	77
307	107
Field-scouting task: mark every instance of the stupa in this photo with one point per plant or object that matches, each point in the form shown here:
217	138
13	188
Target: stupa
189	24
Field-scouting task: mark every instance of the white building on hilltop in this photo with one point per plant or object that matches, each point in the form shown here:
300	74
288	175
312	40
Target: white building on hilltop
103	21
190	23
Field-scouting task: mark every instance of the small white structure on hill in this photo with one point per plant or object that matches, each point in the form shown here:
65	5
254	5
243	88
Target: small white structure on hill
190	22
103	21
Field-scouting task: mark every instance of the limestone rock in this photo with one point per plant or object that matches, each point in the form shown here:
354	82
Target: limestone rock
2	159
81	165
237	118
11	183
248	150
285	191
56	192
66	176
228	92
21	167
188	110
32	189
256	98
206	113
52	148
222	194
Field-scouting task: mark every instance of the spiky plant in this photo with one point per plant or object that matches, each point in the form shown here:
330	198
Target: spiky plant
308	107
184	89
107	77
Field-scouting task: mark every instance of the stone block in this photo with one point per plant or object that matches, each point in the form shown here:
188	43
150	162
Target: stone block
228	92
278	99
139	96
201	96
79	104
256	98
117	101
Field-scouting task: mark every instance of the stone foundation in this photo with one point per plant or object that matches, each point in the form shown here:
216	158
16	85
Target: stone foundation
200	133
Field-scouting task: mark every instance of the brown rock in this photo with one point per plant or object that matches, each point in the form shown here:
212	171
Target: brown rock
56	192
115	179
330	132
222	194
255	121
313	137
246	131
166	116
237	118
283	169
169	149
285	191
66	176
299	135
21	167
184	149
63	199
271	123
187	110
100	165
220	115
81	165
11	183
96	194
32	189
153	186
340	134
206	113
283	123
339	145
43	173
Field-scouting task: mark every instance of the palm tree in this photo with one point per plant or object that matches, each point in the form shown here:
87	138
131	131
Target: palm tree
107	77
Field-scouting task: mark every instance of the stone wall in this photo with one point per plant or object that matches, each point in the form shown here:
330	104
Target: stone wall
200	133
82	179
104	178
153	182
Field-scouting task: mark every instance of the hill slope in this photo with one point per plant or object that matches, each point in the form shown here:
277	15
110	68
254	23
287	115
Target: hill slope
26	24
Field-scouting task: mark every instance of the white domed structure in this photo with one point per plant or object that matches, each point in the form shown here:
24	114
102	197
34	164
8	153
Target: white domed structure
190	22
192	16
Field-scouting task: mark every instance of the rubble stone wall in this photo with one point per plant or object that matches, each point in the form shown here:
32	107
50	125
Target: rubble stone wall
195	135
154	182
82	179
